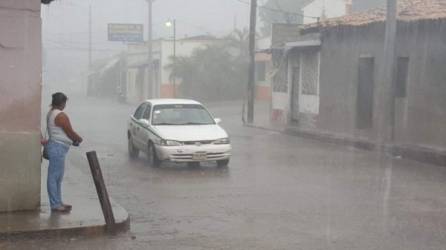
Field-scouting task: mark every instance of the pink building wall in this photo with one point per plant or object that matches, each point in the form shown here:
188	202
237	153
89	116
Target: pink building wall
20	102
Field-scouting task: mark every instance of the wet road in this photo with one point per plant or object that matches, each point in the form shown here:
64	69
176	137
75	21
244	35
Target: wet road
279	192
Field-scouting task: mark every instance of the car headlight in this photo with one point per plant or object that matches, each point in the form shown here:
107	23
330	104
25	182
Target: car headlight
170	143
222	141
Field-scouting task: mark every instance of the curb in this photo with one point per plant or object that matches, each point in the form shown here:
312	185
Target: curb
88	231
263	128
416	153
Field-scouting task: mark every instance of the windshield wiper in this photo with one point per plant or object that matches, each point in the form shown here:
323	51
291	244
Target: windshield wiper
180	124
196	123
164	124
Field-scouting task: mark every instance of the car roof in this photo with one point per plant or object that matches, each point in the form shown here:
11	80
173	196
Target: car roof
172	101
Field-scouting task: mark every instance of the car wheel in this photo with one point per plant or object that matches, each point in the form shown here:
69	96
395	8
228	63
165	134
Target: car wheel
154	161
223	163
133	151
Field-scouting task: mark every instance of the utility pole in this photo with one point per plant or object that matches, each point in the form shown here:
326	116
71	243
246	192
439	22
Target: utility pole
387	121
387	102
173	24
252	44
174	55
150	85
235	23
90	24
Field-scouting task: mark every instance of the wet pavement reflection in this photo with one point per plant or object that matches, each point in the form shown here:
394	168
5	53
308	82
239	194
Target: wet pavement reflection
279	192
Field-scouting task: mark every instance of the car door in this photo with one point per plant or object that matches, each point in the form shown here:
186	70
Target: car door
136	127
144	133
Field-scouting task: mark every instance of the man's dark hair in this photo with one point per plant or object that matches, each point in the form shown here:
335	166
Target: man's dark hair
59	99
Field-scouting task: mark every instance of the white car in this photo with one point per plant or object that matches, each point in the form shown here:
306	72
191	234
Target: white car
178	131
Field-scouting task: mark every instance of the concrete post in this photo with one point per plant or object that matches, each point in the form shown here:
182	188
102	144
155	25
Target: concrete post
252	44
387	93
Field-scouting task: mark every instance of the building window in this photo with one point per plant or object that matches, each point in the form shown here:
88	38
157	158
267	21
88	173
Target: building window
279	75
310	72
295	78
401	77
365	93
261	71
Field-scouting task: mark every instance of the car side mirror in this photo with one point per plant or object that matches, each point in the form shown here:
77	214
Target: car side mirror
144	122
217	120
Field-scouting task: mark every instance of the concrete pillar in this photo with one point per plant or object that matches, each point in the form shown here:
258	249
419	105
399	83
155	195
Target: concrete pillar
20	102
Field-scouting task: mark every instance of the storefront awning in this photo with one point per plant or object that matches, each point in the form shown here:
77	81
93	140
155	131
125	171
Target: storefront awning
309	43
309	40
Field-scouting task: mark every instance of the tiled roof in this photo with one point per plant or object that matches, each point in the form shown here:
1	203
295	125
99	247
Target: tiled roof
408	10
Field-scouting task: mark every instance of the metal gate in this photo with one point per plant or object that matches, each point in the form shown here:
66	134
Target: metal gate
295	92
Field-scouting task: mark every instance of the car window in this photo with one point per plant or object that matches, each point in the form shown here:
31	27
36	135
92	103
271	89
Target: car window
184	114
139	111
147	112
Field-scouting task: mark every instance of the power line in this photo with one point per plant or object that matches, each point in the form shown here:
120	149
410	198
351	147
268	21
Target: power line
77	43
81	49
278	10
198	27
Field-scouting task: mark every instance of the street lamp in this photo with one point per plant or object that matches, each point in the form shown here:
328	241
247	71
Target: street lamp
169	24
172	24
151	88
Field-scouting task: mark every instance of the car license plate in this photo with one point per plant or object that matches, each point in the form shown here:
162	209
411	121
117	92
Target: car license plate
199	157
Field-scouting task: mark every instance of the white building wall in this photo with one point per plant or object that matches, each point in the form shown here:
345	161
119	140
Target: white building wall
303	97
162	51
137	57
309	104
263	43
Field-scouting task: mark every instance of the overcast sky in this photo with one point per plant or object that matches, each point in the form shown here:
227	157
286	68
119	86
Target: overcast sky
68	19
65	29
65	26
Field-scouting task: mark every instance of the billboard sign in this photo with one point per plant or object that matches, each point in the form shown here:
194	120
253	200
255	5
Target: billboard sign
120	32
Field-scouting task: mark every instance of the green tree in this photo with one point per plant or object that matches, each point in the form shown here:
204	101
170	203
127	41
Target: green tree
281	11
211	73
238	40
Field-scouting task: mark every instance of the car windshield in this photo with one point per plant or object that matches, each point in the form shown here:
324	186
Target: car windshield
181	114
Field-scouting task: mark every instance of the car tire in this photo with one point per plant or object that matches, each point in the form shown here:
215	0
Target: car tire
154	161
133	151
223	163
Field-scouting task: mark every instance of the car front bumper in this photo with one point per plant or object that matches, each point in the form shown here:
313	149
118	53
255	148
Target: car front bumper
194	153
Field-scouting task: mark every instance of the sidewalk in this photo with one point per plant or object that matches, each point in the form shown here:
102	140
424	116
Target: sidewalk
414	152
86	218
262	118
